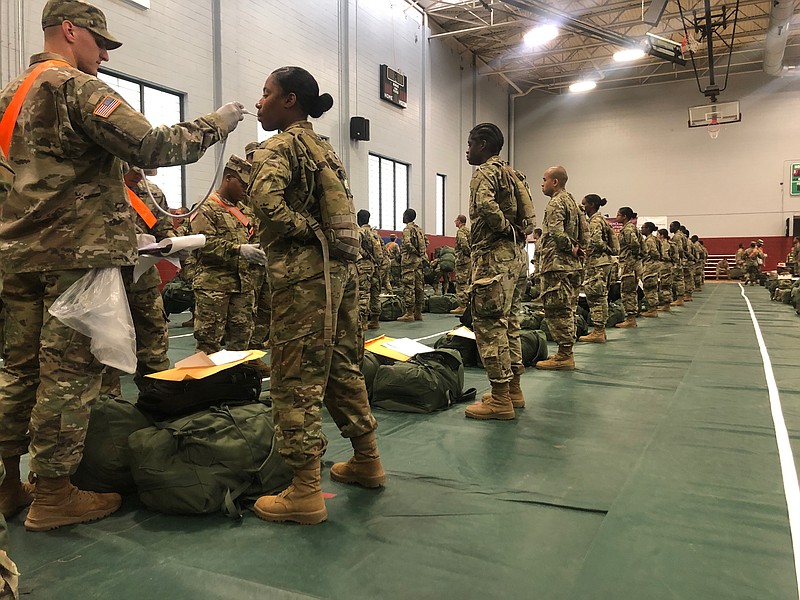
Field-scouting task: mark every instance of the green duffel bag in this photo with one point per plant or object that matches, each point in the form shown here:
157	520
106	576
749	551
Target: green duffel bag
531	320
427	382
534	347
178	296
391	308
207	462
369	366
467	348
442	304
616	313
106	462
581	325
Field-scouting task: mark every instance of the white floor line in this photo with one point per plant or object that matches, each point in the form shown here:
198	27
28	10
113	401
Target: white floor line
791	486
175	337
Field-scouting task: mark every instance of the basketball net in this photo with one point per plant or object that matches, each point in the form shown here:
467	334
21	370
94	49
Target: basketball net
689	44
713	128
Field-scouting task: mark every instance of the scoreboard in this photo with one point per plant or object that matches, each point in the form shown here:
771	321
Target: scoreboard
394	86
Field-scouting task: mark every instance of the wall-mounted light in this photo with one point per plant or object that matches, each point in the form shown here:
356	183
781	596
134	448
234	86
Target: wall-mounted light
540	35
628	54
582	86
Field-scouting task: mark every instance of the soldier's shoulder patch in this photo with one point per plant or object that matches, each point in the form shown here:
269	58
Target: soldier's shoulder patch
107	106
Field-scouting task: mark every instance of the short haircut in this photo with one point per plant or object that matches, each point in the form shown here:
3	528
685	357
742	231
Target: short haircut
362	217
461	219
410	213
490	134
559	173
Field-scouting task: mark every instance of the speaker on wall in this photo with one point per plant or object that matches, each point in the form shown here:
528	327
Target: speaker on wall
359	129
796	226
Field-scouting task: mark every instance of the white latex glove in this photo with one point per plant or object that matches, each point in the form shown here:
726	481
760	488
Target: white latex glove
252	253
231	113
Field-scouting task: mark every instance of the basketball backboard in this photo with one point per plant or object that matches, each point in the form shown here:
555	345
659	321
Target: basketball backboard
718	113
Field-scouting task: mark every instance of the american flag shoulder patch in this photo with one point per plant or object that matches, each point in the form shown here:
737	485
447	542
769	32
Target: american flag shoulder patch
107	106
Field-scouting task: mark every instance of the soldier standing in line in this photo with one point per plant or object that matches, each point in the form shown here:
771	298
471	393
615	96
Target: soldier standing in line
793	258
651	268
385	266
498	259
223	287
630	265
690	265
395	264
665	278
680	286
369	285
71	134
463	270
602	244
413	250
563	238
704	258
315	337
753	259
698	263
739	258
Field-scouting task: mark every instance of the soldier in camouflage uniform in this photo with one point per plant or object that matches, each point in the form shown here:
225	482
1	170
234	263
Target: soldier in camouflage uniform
700	261
67	214
651	268
315	337
753	258
395	268
680	286
688	265
600	247
665	296
630	265
463	271
369	275
223	287
498	262
565	234
412	251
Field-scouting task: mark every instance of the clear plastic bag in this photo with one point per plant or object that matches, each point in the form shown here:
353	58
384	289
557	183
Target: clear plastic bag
96	306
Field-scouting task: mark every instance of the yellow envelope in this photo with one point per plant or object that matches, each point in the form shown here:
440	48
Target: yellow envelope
204	366
376	345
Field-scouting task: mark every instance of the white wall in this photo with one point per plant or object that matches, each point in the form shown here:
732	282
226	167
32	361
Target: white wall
171	45
633	147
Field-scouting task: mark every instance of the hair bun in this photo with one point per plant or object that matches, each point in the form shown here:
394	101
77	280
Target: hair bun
603	202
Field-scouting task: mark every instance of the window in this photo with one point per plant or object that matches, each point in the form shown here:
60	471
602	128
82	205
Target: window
388	192
161	107
440	189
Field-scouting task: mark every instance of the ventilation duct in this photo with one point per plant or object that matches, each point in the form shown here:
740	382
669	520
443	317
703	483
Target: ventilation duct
777	35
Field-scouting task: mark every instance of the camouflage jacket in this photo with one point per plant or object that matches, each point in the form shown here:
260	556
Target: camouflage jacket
683	250
564	226
6	177
371	246
68	208
219	265
652	251
163	226
602	243
279	190
463	251
667	251
630	243
393	251
414	246
492	206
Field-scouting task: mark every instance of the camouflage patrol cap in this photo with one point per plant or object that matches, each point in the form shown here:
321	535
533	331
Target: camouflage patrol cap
239	166
250	148
760	242
80	14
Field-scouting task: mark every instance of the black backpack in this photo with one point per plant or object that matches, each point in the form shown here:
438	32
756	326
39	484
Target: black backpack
240	384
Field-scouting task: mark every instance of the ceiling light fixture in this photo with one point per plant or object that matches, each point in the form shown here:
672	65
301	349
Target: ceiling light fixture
540	35
582	86
628	54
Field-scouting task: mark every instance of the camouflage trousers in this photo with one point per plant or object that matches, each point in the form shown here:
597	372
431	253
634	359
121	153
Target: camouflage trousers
650	284
50	378
514	328
560	300
309	371
688	278
396	276
463	275
222	316
595	285
753	273
698	277
678	288
2	326
630	273
9	576
413	286
369	291
385	277
665	284
495	277
263	309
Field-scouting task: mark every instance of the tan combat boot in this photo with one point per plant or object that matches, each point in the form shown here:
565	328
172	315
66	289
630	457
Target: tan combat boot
678	302
56	502
458	310
14	494
514	392
364	467
597	336
374	323
563	360
498	406
263	368
418	314
302	502
687	297
188	323
628	322
664	307
409	316
650	313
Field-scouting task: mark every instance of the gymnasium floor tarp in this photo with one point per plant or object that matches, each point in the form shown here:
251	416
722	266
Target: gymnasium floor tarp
650	472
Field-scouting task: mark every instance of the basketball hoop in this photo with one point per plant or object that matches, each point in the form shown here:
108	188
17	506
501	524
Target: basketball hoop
689	44
713	128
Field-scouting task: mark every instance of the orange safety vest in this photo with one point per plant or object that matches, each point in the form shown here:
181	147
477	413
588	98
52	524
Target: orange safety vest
141	208
9	120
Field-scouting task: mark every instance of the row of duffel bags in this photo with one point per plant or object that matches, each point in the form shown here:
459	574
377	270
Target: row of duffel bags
393	307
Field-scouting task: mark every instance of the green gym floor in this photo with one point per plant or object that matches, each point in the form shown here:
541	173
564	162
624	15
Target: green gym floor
650	472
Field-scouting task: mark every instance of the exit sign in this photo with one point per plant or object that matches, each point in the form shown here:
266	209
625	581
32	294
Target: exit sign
795	173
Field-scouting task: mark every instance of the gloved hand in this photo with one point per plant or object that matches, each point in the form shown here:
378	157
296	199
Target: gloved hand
231	113
252	253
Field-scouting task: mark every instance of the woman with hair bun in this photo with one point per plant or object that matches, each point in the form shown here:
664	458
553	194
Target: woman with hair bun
651	268
601	247
297	184
630	264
